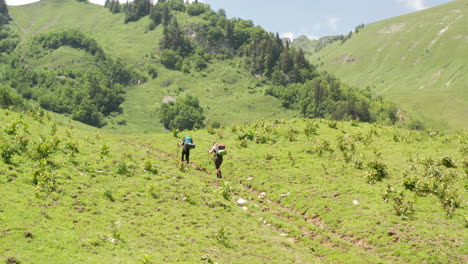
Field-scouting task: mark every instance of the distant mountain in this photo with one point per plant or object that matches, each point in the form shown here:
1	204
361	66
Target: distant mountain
416	60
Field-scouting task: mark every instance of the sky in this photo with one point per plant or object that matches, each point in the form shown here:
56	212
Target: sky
312	18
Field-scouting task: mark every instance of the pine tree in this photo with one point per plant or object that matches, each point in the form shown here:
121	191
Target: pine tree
300	60
4	16
116	7
111	5
286	62
165	14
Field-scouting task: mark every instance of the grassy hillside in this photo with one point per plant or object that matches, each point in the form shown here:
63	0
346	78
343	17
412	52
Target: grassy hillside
416	60
227	91
312	195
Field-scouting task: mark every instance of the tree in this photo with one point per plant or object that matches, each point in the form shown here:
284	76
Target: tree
196	9
173	38
185	113
171	59
177	5
4	15
165	14
116	7
286	62
222	13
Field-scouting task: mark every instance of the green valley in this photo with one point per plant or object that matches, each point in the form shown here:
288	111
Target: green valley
95	100
416	60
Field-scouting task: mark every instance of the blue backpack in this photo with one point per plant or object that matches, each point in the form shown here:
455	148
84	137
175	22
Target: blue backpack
189	143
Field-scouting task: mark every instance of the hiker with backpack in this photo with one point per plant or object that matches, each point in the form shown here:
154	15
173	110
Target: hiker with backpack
187	144
219	151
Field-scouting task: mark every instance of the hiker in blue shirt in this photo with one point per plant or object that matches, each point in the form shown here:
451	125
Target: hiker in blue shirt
187	144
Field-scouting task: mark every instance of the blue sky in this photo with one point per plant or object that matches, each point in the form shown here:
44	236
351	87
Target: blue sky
312	18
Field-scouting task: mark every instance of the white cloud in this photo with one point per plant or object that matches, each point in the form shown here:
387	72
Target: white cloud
332	22
289	35
414	5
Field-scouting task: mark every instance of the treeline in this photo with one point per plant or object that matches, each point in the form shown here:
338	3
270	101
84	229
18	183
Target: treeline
343	38
291	77
87	96
325	96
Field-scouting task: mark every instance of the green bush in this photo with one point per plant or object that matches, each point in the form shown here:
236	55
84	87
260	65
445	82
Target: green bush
377	172
185	113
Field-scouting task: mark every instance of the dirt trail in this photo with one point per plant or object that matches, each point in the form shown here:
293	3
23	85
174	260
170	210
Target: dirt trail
322	233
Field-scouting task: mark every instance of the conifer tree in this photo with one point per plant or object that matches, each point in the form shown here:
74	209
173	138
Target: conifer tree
286	62
116	7
4	16
111	5
300	60
165	14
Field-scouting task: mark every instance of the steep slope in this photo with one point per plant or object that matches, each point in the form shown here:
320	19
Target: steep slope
416	60
226	90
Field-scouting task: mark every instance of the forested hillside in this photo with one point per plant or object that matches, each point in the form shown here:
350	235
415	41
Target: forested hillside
163	51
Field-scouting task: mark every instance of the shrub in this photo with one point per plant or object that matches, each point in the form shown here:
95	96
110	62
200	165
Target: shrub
108	195
448	162
377	172
222	237
311	129
402	207
149	166
7	150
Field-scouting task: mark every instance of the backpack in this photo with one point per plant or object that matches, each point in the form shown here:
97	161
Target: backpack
189	143
221	150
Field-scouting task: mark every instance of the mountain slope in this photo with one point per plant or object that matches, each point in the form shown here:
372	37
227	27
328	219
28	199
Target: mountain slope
416	60
227	91
71	192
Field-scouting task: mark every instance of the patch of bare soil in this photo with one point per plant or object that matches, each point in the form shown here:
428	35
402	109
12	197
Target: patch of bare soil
168	99
393	28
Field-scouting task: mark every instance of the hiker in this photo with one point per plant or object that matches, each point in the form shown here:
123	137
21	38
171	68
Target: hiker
187	144
219	152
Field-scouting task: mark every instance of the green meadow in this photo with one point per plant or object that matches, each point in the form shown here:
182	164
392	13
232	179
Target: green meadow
293	190
313	191
415	60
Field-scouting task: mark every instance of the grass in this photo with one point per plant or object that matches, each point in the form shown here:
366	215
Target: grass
96	213
94	198
326	197
228	93
415	60
315	190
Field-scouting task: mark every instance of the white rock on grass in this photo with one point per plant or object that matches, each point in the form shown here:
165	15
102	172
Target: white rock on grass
241	201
